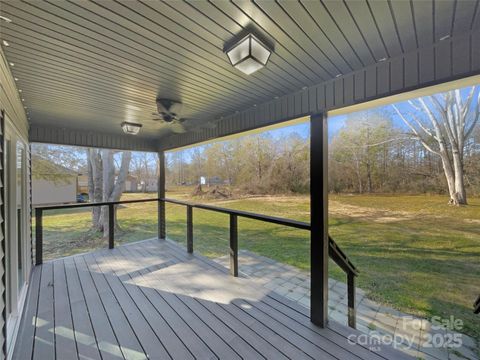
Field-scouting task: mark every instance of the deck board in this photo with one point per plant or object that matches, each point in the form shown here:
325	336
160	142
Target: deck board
86	341
195	345
104	333
65	344
152	299
44	343
127	338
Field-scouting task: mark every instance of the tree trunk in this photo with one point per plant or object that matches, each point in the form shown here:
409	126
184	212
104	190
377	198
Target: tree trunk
102	185
369	176
460	195
113	189
450	177
95	186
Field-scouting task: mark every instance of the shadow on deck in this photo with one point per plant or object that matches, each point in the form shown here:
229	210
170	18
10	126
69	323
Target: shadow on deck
151	299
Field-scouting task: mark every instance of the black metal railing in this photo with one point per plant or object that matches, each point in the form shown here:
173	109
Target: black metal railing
111	221
334	251
476	306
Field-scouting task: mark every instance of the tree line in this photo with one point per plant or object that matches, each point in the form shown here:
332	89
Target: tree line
426	145
252	164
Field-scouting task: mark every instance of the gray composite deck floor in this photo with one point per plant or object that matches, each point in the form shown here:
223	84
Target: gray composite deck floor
153	300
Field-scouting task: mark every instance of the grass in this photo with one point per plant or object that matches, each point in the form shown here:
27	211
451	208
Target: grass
414	253
68	232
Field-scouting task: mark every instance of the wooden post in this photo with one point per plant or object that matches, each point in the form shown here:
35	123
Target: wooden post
319	219
352	313
161	195
233	245
189	229
38	236
111	226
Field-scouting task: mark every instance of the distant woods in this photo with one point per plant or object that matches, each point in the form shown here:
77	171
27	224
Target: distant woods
429	145
252	164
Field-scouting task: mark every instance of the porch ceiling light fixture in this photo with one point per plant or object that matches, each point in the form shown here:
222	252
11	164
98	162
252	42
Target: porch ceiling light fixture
131	128
249	54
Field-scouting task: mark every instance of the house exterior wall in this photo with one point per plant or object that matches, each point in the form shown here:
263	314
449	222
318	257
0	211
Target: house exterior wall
447	60
11	104
49	192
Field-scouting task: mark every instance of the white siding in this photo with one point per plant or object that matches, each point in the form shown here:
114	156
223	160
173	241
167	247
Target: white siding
49	192
11	103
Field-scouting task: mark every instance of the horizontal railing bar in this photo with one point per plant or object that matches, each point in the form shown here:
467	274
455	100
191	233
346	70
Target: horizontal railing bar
80	205
337	255
271	219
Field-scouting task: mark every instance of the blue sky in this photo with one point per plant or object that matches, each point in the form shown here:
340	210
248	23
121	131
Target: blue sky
336	123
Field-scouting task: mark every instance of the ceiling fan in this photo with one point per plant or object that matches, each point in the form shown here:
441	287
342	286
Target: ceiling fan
169	112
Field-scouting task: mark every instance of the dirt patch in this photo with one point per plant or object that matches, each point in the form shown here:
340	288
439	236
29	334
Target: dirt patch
472	221
214	193
375	215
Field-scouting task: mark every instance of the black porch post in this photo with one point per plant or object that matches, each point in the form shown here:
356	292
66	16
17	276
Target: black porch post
319	219
161	195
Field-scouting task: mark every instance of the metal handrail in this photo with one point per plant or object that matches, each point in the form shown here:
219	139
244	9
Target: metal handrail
266	218
111	221
476	306
334	251
88	204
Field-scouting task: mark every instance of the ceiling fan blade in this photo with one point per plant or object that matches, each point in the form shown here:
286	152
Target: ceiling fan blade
177	128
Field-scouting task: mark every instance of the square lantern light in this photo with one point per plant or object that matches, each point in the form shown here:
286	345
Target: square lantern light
131	128
248	54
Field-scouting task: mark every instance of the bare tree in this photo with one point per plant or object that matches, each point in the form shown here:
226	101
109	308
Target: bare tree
442	123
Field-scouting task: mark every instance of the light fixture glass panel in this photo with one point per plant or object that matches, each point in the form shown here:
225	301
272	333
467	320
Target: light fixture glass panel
249	66
259	51
240	51
131	128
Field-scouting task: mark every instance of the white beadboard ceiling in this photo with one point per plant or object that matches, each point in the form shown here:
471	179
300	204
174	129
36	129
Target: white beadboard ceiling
89	65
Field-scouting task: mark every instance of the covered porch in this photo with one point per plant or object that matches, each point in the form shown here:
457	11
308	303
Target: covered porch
158	76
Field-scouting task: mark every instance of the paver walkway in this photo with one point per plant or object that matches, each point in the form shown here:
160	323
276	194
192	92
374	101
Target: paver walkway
372	318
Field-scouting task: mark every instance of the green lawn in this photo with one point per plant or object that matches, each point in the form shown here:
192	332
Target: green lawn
414	253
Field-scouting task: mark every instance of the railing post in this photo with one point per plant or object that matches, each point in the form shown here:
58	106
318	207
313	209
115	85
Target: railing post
111	226
319	220
233	245
189	229
161	195
352	312
38	236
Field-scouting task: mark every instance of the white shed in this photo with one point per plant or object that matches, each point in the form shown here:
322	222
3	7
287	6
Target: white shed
52	183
